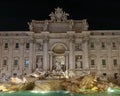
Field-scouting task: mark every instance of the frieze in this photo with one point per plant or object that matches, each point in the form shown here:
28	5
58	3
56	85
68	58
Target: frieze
14	34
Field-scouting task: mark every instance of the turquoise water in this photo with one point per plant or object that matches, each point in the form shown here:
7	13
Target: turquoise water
54	93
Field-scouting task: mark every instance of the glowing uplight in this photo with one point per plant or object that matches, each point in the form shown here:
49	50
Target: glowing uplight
11	91
43	92
110	90
34	91
66	92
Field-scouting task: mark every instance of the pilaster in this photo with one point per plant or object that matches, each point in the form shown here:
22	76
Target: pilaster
0	57
31	55
21	62
10	60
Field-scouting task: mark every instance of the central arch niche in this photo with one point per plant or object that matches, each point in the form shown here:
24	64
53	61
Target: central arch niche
59	56
59	49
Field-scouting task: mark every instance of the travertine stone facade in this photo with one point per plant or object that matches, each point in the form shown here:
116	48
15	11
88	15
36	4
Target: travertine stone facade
57	44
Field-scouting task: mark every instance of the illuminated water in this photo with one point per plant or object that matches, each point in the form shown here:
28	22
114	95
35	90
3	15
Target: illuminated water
54	93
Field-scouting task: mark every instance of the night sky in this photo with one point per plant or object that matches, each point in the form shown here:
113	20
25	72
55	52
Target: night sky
101	14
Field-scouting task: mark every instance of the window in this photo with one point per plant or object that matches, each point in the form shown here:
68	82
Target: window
17	45
115	62
103	45
102	34
116	75
15	62
104	62
92	45
91	33
27	62
6	45
113	45
4	62
27	45
14	74
104	74
113	33
92	63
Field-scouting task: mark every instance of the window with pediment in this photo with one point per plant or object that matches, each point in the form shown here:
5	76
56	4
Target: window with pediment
16	45
4	62
27	46
27	63
103	45
104	62
5	45
15	63
92	63
114	46
115	62
92	45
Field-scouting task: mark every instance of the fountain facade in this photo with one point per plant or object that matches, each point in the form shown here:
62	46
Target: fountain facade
60	44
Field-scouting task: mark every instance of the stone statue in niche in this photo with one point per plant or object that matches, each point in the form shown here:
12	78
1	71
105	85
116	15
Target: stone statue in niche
45	25
30	26
39	62
57	64
85	24
71	23
78	62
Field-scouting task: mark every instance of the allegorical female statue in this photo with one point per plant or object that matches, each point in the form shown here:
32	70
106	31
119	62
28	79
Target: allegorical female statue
79	62
39	63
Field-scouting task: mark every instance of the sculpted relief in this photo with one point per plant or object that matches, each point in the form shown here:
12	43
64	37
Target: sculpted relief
78	46
39	46
59	15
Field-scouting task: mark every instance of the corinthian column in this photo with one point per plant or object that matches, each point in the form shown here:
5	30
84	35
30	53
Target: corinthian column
71	50
31	55
45	50
85	49
0	51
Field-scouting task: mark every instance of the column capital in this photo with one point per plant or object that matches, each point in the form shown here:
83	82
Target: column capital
45	36
71	35
45	39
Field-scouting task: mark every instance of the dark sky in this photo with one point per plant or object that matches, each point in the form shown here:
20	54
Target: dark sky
101	14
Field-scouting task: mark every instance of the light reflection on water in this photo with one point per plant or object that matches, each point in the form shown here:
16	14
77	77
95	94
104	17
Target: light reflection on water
53	93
